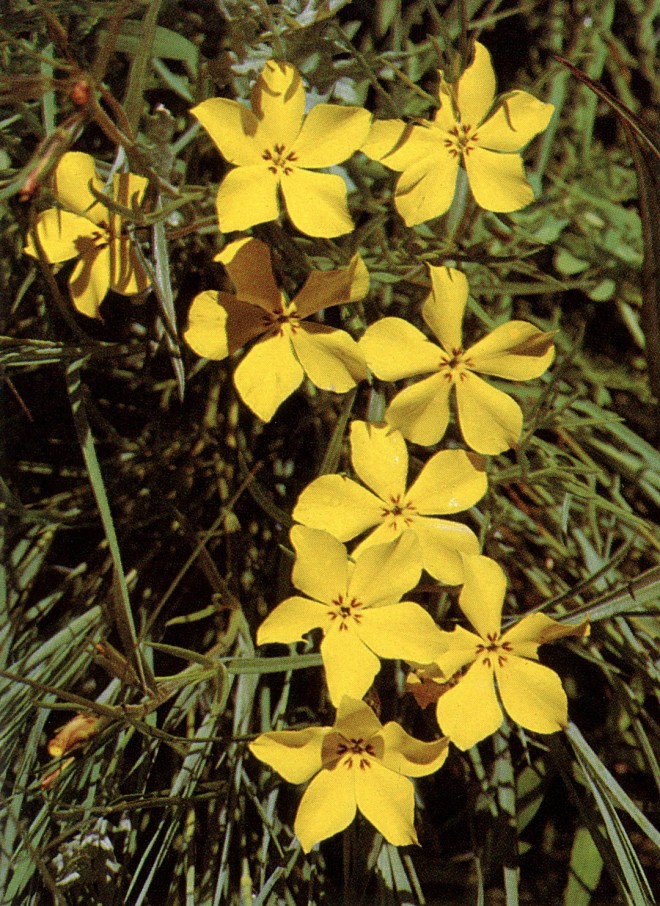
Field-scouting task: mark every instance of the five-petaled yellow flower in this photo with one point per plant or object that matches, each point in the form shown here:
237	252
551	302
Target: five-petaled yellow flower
356	764
357	605
465	130
531	694
276	148
219	324
86	229
490	421
450	482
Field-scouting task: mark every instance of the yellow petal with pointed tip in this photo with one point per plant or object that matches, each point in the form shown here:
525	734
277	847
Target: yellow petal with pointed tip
321	567
90	281
409	756
316	203
380	458
497	180
232	126
421	411
444	546
383	573
278	102
338	505
403	630
247	196
291	620
516	350
490	421
532	695
387	800
425	189
469	712
475	91
330	358
450	482
268	375
385	138
350	667
71	181
294	754
460	649
327	807
482	595
444	309
206	333
394	349
356	719
59	233
517	120
250	269
323	289
536	629
330	135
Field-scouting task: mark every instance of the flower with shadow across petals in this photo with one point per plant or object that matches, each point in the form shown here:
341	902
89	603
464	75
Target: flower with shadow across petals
358	764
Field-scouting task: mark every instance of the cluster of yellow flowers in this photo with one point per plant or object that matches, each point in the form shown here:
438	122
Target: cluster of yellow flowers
355	597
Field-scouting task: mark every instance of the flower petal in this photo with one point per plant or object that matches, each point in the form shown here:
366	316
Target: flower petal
321	567
356	719
482	595
247	196
338	505
267	375
409	756
71	181
490	421
58	233
316	203
385	533
394	349
327	807
330	134
469	712
516	121
421	411
323	289
450	482
536	629
294	754
90	281
232	127
384	572
330	358
444	546
387	800
387	137
532	695
380	458
350	667
426	188
460	648
444	308
278	101
291	620
475	91
218	324
403	630
516	350
127	274
250	269
497	180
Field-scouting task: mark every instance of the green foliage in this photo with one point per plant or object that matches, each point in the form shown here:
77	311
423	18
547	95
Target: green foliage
144	512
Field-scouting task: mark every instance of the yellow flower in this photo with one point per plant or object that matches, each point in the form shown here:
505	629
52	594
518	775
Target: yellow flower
275	146
357	605
465	130
90	231
219	324
531	694
356	764
450	482
490	421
